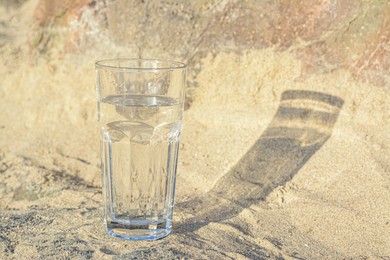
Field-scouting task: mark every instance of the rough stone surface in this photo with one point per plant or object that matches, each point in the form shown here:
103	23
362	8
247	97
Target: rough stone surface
284	153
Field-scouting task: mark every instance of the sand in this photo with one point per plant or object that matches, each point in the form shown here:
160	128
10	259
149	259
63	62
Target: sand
312	184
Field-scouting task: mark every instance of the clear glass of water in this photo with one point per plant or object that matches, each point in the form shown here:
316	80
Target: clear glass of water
140	106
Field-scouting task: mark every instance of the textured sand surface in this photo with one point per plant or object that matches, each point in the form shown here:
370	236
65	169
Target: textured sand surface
285	147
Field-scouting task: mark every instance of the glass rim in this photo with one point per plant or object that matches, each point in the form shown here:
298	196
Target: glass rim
171	65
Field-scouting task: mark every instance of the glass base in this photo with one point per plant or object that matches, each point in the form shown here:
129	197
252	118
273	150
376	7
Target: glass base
138	232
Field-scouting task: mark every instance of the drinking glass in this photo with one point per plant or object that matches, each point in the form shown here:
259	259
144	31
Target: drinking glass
140	105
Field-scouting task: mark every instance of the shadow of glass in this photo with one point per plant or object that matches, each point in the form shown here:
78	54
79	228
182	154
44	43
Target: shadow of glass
301	125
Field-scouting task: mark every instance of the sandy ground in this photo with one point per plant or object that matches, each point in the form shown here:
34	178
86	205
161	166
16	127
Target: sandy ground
322	189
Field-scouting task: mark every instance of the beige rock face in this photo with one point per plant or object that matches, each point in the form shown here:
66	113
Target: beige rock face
285	147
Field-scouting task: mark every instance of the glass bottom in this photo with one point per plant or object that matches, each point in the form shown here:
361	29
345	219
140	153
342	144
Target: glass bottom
137	232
